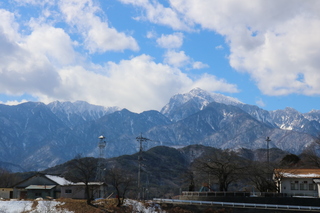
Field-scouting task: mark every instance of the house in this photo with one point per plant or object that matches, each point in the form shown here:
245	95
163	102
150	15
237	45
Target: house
77	190
298	182
51	186
6	193
39	185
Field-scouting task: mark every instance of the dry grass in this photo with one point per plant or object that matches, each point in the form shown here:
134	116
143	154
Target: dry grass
34	204
77	206
100	206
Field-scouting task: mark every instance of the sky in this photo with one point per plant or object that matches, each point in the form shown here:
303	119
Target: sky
137	54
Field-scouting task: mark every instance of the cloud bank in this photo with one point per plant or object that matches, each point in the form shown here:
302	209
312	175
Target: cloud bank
53	63
276	42
48	55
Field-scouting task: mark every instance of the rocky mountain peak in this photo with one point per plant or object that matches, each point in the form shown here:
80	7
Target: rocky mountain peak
45	135
198	99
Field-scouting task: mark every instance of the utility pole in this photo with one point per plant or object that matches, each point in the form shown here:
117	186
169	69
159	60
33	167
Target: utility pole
140	139
268	159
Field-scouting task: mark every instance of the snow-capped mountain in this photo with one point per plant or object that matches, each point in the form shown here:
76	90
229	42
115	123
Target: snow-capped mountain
80	111
36	136
313	115
182	105
291	119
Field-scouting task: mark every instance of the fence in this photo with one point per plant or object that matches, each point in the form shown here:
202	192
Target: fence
246	194
240	205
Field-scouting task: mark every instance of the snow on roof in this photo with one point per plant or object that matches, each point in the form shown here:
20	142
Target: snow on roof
90	183
41	187
59	180
310	175
298	173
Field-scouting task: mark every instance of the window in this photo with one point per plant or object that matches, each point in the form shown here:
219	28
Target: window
68	191
294	185
38	194
303	185
312	186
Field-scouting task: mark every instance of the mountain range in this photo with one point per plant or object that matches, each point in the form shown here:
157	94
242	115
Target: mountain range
36	136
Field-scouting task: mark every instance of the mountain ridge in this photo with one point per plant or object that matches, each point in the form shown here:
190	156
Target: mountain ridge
36	136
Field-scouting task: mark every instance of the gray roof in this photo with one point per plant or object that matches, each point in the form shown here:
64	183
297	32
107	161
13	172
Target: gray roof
41	187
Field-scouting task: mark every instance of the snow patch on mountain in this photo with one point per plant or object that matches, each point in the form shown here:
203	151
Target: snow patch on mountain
201	97
80	107
74	113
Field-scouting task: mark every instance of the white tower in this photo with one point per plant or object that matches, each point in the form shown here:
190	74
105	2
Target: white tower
100	167
102	146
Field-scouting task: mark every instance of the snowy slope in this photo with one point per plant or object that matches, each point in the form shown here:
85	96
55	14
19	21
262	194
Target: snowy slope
47	135
78	112
192	102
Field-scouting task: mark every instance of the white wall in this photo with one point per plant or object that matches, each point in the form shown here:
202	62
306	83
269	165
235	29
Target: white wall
299	186
5	193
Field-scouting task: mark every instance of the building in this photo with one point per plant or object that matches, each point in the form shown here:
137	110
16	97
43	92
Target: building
77	190
298	182
6	193
51	186
39	185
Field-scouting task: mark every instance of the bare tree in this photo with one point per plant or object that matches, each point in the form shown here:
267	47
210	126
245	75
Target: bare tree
83	170
260	175
311	154
121	181
290	160
7	179
225	166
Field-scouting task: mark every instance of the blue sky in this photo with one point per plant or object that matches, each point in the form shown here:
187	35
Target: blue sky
137	54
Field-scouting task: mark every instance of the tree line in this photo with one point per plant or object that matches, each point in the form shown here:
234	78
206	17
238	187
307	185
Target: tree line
166	172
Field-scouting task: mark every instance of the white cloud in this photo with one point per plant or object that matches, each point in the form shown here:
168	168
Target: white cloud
170	41
8	26
45	65
276	42
199	65
260	102
180	60
158	14
137	84
176	59
21	69
14	102
212	83
98	36
151	34
35	2
52	42
219	47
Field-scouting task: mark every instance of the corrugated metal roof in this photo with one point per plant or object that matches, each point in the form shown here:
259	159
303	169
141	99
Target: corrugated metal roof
40	187
90	183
